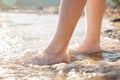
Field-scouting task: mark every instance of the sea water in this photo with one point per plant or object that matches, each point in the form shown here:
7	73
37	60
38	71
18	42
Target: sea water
23	35
21	31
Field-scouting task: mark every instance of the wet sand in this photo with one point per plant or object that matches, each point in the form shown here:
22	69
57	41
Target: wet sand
23	35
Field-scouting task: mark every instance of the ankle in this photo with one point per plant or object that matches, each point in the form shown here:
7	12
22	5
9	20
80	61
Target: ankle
55	49
88	48
91	43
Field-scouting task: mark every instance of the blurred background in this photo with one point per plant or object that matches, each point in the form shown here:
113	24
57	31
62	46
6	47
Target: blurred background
47	6
41	6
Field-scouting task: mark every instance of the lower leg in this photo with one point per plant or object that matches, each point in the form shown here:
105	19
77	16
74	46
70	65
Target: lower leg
69	15
94	12
56	51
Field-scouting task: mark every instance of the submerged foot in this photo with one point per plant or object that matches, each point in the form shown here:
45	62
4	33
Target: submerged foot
86	51
49	58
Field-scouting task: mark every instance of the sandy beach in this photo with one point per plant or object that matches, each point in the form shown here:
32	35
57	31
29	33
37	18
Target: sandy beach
22	35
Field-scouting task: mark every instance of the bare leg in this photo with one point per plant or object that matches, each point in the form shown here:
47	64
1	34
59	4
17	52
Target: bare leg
56	51
94	12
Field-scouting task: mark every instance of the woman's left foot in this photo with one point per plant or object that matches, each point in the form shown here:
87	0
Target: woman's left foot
84	48
49	58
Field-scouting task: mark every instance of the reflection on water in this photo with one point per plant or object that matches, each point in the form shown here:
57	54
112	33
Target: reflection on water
22	35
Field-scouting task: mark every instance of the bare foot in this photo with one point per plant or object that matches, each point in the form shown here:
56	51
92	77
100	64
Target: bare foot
85	48
49	58
85	51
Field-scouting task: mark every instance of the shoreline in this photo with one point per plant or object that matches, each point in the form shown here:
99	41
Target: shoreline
45	10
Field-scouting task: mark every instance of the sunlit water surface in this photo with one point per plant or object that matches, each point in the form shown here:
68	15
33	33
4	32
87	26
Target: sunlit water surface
23	34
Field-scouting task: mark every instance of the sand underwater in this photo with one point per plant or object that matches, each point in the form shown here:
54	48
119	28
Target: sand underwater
22	35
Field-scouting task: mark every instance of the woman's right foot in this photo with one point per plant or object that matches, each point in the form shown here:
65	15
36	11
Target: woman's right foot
86	47
85	50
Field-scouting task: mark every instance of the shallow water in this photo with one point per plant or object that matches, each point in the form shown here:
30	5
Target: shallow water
23	35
